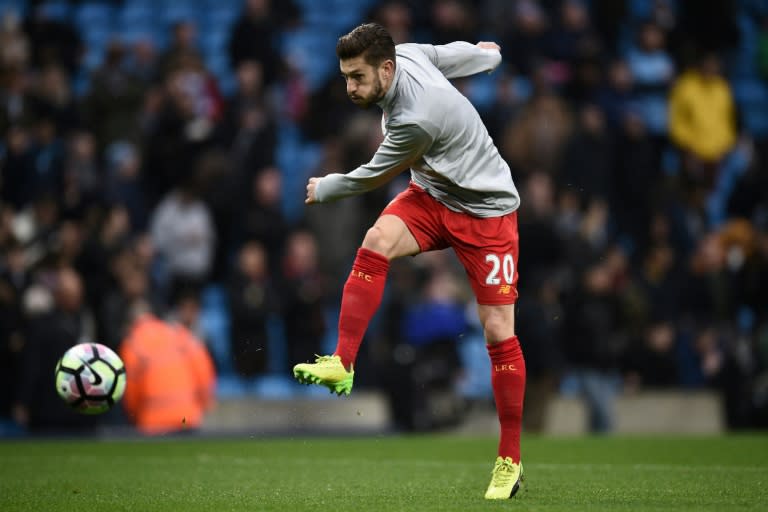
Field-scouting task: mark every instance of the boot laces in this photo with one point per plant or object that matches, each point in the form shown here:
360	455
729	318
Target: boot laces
503	473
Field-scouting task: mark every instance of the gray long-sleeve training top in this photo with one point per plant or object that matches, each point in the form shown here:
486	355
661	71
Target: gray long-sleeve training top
431	128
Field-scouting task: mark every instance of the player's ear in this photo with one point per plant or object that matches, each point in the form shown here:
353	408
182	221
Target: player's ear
389	68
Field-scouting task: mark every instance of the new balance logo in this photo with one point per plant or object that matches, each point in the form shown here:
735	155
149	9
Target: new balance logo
505	289
504	368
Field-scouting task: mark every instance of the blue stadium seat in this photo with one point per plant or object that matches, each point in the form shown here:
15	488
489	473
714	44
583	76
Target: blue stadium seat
751	95
229	386
179	11
19	7
132	16
94	15
274	387
214	322
219	18
97	35
58	10
214	41
94	56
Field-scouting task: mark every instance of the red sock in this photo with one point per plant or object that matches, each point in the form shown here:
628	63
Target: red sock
361	298
508	380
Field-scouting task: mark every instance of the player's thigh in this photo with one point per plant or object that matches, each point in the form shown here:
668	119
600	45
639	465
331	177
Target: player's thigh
391	238
411	223
488	249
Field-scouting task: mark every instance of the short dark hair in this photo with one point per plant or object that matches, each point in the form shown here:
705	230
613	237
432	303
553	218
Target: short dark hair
370	40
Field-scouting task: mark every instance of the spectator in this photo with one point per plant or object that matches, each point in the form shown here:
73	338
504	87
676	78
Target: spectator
652	69
525	44
183	48
396	17
593	310
253	39
263	219
132	293
252	300
702	114
587	163
183	236
14	279
304	293
38	408
81	175
452	20
616	96
427	365
114	99
652	363
14	45
172	377
536	138
52	41
18	169
123	184
248	128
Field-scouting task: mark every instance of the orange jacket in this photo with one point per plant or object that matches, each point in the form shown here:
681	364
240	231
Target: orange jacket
169	377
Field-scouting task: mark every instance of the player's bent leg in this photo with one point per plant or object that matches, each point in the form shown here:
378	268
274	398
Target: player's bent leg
389	238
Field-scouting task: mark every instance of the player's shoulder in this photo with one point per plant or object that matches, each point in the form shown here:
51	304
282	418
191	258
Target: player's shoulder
413	51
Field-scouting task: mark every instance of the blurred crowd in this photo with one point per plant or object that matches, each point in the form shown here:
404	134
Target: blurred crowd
167	175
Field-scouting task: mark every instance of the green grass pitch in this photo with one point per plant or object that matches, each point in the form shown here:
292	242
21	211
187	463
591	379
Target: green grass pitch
414	473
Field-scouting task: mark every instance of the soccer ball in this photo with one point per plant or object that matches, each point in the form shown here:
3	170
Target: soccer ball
90	378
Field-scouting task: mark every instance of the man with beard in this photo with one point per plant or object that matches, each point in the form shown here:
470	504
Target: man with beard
461	195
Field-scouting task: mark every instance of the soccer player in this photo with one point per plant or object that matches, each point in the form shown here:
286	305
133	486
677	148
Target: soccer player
461	195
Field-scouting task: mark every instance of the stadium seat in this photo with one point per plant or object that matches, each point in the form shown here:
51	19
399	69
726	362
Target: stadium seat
214	322
274	387
58	10
751	96
93	58
175	12
94	15
132	16
19	7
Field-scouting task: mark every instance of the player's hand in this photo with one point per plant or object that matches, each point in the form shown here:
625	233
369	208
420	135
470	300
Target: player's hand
311	191
489	45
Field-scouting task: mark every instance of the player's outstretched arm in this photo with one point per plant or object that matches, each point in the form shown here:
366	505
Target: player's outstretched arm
460	58
402	146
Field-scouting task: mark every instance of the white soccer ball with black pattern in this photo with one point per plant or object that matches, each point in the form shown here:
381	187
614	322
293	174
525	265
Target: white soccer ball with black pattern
90	378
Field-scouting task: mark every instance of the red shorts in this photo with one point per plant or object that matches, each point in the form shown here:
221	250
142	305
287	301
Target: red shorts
486	246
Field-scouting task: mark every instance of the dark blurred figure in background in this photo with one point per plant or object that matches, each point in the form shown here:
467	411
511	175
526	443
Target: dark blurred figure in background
254	35
303	297
252	300
38	407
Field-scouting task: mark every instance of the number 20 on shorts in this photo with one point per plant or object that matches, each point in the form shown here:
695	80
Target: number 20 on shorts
504	264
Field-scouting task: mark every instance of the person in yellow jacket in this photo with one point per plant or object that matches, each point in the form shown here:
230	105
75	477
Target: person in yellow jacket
170	377
702	114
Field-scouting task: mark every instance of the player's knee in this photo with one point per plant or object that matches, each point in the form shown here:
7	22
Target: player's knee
378	240
498	323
